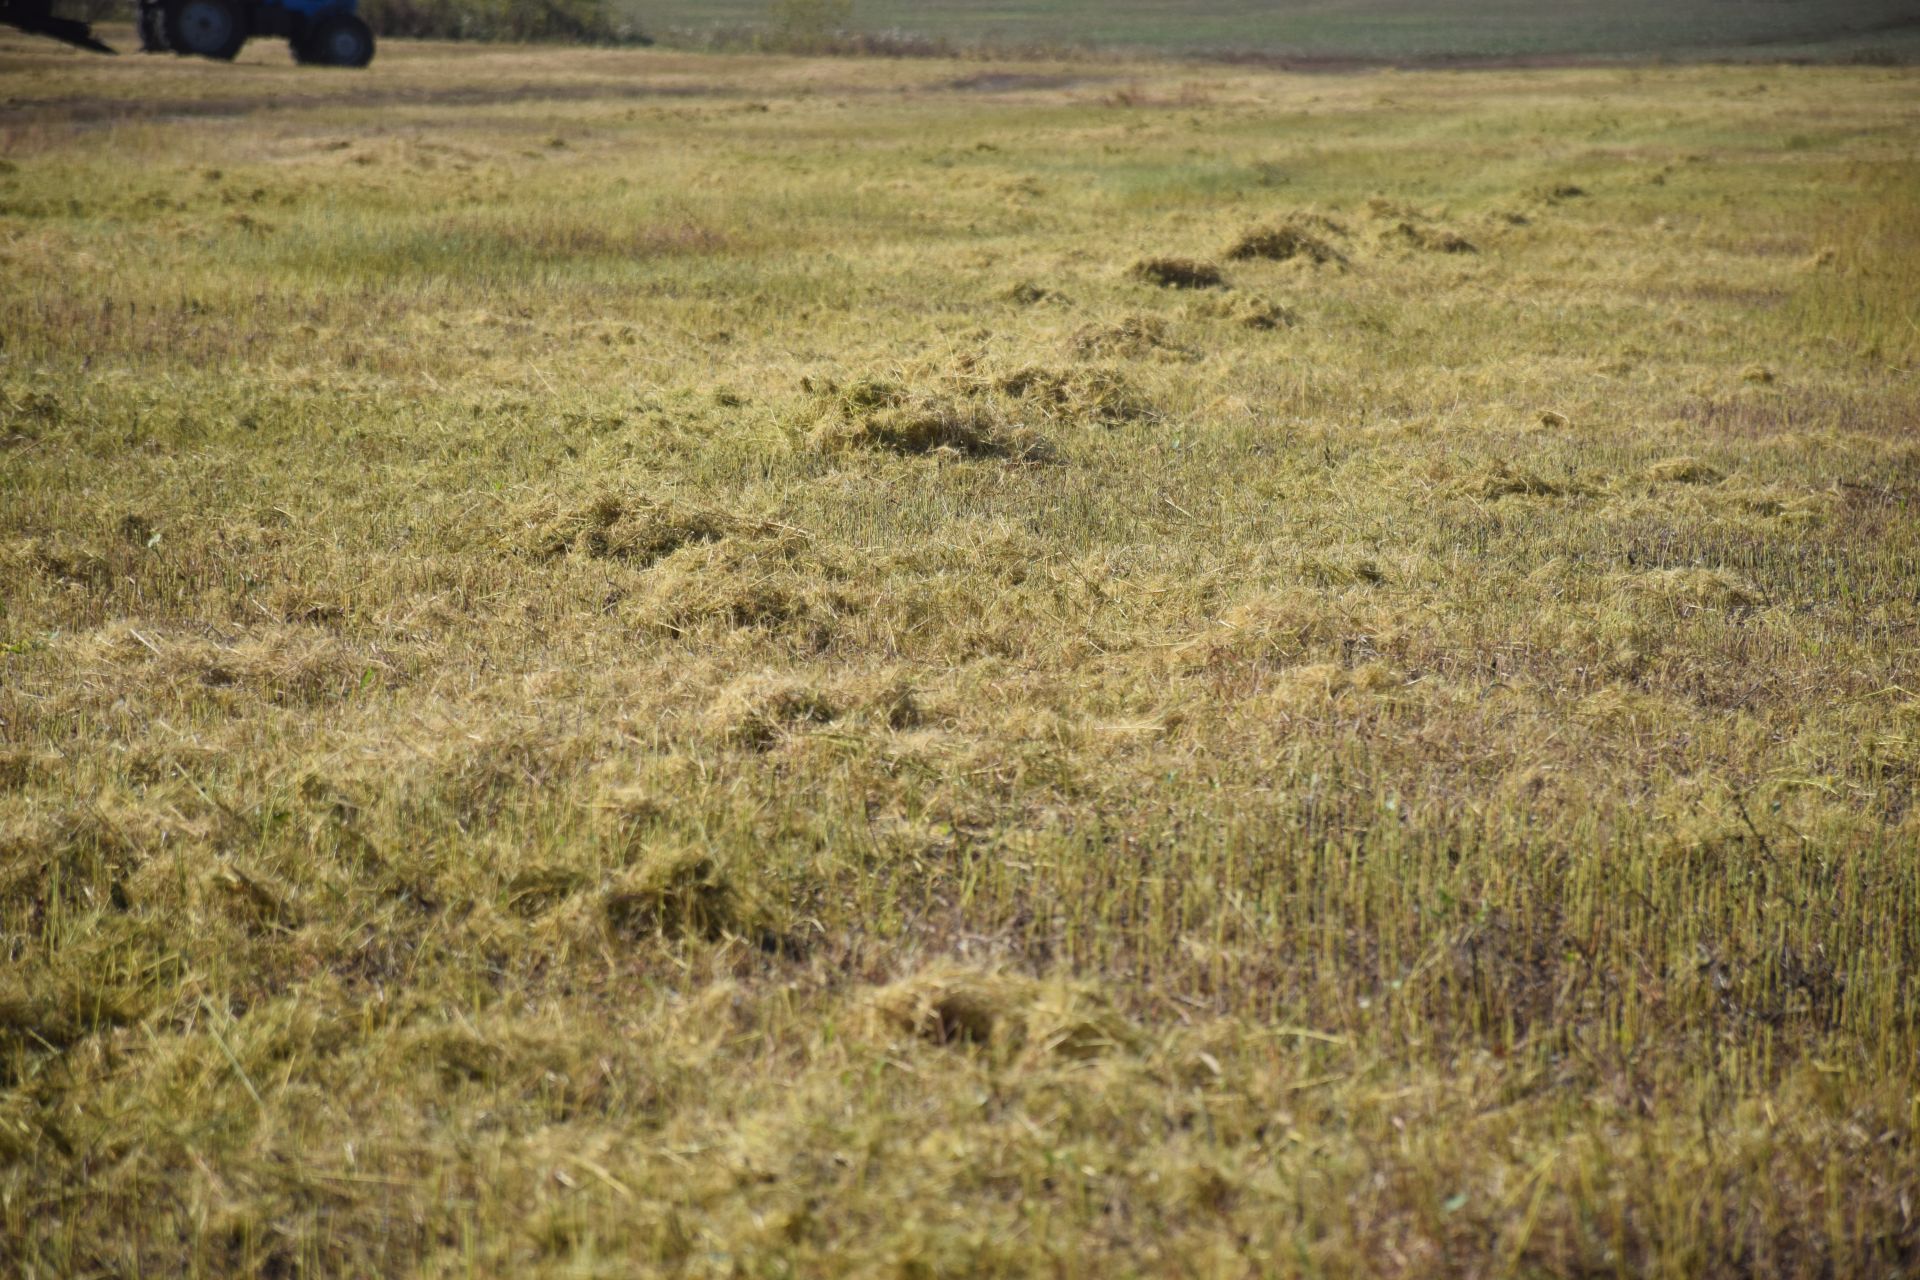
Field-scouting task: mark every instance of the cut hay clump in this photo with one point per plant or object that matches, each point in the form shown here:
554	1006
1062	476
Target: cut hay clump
492	1051
1028	294
63	561
1503	481
1273	627
1320	222
1342	571
1428	239
535	890
1286	243
315	605
287	666
676	893
1315	684
897	706
257	901
1266	316
878	416
738	584
20	768
27	416
1384	208
1178	273
956	1006
1691	590
54	1015
633	531
1133	338
758	710
81	858
1249	313
1615	707
1685	470
1781	504
1091	394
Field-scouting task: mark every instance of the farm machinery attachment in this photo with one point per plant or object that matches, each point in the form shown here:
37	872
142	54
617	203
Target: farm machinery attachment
322	32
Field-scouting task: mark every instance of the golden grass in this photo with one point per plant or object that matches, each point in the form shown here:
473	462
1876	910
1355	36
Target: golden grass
617	663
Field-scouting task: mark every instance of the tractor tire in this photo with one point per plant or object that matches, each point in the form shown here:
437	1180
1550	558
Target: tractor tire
342	40
207	28
153	29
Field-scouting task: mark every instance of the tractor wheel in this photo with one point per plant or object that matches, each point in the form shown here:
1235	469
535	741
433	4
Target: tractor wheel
208	28
342	40
153	29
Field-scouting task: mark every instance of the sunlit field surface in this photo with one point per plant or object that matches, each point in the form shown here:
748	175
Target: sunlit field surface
618	663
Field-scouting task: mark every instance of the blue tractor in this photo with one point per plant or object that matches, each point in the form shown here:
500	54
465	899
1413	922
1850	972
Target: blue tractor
323	32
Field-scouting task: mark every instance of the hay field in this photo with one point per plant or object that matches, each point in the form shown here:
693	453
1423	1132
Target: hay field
620	663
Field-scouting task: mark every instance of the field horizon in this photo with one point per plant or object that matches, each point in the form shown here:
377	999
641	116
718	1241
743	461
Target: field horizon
1326	32
652	662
